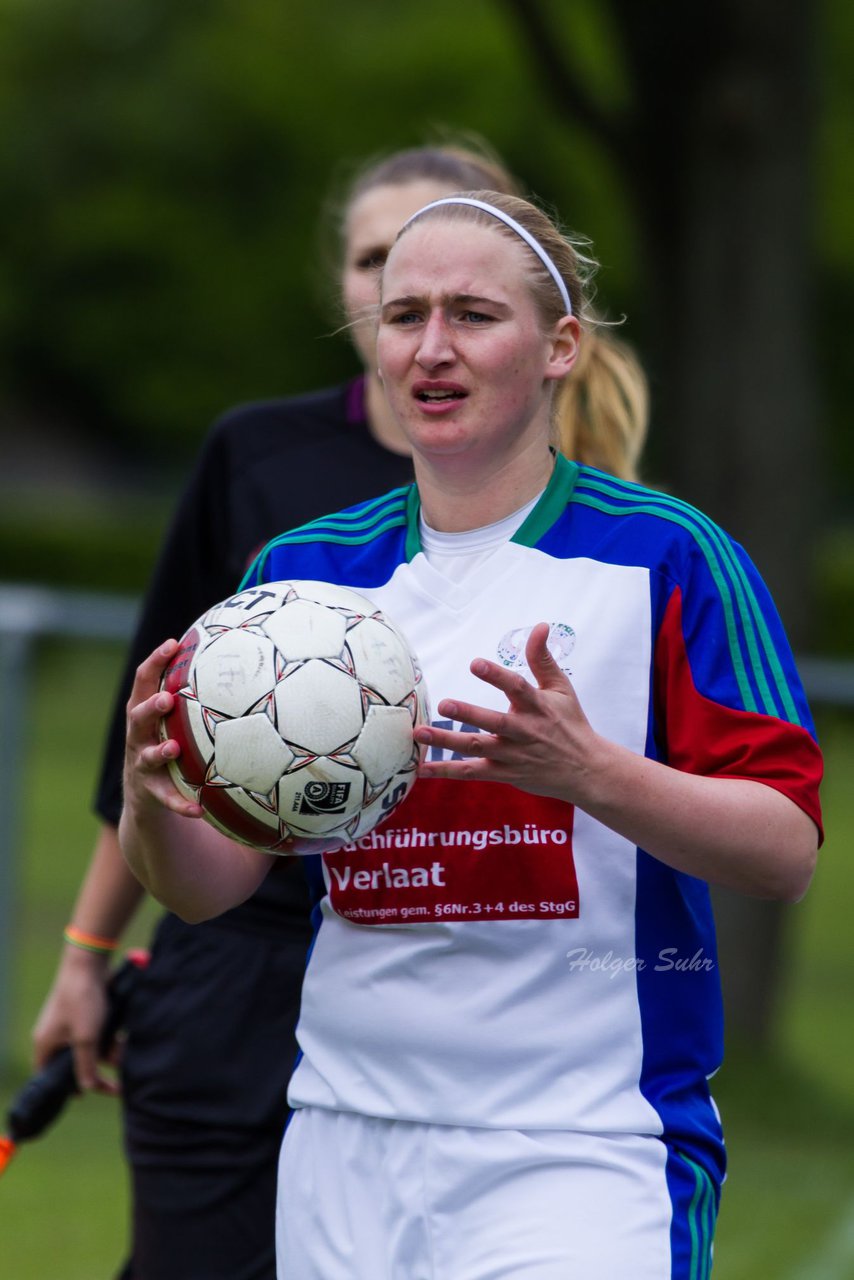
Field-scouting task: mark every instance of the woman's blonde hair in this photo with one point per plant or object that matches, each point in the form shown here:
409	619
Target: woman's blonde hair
601	411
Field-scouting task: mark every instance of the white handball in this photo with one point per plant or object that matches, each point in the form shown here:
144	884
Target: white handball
295	705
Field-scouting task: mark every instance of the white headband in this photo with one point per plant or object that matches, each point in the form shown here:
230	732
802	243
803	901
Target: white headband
514	226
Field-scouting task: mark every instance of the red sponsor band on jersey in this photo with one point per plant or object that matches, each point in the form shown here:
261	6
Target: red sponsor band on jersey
454	851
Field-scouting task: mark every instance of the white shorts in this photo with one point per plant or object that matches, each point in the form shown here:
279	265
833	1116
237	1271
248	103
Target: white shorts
368	1199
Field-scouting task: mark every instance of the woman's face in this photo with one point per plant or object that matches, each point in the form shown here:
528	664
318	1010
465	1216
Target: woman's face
465	363
370	230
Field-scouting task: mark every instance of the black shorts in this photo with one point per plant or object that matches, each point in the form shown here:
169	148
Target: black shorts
209	1052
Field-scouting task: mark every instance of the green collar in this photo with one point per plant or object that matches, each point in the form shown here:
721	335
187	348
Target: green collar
552	501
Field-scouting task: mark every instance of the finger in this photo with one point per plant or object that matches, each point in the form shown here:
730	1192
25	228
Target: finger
540	660
470	741
145	713
147	773
150	670
42	1056
148	673
156	756
518	691
108	1086
162	789
472	716
84	1055
460	770
115	1053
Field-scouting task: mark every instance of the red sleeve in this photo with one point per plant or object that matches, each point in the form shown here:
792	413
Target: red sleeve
702	736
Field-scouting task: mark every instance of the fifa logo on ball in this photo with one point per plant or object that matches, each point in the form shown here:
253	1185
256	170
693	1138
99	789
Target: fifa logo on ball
322	797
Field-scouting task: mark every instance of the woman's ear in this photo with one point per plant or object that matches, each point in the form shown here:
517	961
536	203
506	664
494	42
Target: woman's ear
565	344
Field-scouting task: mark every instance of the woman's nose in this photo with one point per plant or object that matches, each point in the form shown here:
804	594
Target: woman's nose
436	347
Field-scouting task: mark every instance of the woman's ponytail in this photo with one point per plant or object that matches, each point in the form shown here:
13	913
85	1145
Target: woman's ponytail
602	413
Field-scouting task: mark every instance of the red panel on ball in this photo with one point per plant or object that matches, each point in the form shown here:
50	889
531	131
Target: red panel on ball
192	765
176	674
236	820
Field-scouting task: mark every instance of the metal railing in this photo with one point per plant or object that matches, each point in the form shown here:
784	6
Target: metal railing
28	615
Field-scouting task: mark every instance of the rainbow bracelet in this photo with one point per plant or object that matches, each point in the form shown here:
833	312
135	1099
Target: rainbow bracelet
89	941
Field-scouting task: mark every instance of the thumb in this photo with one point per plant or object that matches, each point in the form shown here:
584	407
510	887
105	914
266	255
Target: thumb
540	661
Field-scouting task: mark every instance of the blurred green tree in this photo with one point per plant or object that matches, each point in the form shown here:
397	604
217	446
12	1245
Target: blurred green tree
163	166
715	139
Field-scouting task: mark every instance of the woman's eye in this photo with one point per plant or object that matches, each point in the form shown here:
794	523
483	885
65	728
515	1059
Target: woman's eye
373	261
406	317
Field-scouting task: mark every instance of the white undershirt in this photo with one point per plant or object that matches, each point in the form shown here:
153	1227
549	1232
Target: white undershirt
457	556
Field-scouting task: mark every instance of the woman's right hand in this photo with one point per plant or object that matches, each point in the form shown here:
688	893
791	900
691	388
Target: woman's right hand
193	869
147	777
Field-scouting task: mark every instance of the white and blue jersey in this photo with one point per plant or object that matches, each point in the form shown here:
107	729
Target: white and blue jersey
491	958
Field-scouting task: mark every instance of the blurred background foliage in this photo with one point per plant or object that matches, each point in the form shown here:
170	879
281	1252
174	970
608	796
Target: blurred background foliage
162	169
164	166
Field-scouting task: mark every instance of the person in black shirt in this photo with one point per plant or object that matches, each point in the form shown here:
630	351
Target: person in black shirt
210	1027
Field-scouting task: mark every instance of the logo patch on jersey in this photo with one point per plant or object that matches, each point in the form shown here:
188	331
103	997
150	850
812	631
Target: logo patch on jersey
561	642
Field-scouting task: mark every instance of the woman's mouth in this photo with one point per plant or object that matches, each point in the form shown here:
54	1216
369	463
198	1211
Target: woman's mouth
438	394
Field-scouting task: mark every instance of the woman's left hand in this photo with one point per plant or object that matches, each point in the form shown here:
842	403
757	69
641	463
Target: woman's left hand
737	832
543	743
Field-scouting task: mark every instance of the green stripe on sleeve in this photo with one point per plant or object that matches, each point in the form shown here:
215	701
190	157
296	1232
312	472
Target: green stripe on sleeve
321	533
751	616
736	655
349	527
362	516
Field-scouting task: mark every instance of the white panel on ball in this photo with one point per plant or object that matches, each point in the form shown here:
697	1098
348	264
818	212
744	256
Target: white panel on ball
381	659
202	727
307	630
239	669
385	744
249	753
318	707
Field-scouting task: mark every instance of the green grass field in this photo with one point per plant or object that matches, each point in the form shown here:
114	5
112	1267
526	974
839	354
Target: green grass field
788	1209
